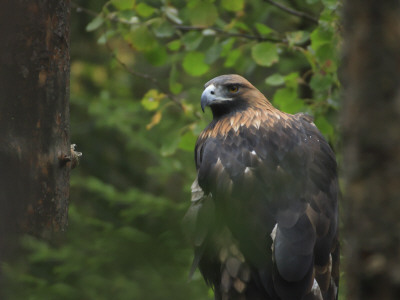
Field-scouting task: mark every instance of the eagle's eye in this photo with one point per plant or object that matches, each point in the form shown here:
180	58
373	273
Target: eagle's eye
233	88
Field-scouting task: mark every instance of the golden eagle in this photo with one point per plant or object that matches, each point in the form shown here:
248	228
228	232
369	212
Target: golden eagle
264	212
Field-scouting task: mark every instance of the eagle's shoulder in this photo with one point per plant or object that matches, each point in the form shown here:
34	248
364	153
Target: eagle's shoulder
306	117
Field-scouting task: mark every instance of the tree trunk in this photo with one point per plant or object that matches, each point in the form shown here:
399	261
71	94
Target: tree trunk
34	118
371	137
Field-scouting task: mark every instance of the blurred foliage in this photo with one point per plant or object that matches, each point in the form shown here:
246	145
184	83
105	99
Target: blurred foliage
137	73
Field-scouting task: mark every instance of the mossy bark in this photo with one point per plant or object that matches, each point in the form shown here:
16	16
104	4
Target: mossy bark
34	118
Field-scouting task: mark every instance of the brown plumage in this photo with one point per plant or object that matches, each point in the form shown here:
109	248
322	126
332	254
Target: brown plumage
263	218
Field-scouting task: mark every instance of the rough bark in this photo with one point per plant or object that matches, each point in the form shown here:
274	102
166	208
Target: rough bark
34	118
371	137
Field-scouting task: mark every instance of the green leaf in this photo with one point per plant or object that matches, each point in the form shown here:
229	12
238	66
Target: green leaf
193	63
320	82
127	16
331	4
141	38
326	52
286	99
202	13
188	141
275	80
227	46
233	5
123	4
163	28
95	23
169	147
232	57
157	55
144	10
263	29
192	40
106	36
297	37
213	53
324	126
265	54
292	80
242	26
174	45
172	14
327	18
320	36
151	99
174	86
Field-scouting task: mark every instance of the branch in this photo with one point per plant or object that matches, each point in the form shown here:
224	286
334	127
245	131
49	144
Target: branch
122	64
293	12
145	76
115	19
231	34
110	17
80	9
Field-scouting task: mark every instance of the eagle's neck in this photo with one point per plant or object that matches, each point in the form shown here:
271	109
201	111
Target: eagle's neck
236	121
228	108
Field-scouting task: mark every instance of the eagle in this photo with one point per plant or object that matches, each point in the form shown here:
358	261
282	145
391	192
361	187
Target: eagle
263	217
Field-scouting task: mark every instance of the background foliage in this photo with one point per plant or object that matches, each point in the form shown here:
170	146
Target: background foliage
137	73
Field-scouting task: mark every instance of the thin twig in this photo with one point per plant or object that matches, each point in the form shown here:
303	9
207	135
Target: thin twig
153	80
227	33
80	9
293	12
109	17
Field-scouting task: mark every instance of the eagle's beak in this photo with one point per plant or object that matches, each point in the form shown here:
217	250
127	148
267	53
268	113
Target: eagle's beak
212	95
208	96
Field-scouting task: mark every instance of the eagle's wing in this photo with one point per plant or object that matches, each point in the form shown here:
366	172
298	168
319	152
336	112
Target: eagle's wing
223	265
275	188
305	237
199	222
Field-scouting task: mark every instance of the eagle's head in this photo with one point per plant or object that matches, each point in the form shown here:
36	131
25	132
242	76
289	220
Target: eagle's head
230	93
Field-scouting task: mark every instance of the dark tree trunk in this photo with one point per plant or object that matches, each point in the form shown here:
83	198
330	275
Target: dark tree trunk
34	118
371	132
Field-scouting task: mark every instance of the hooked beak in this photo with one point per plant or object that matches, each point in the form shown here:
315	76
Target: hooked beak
207	97
211	95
